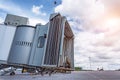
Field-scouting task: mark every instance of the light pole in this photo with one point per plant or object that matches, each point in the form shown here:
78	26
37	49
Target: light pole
90	62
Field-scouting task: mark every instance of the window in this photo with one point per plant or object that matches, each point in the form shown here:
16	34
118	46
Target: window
41	41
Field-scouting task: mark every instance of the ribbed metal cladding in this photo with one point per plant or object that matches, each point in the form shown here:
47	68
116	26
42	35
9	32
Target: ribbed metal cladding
54	41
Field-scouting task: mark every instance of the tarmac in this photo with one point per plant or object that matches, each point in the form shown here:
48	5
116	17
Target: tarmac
75	75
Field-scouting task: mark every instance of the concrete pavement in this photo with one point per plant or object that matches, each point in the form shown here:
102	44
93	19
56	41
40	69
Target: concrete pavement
81	75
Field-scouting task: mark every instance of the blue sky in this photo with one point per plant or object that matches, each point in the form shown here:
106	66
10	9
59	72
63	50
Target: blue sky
37	9
48	4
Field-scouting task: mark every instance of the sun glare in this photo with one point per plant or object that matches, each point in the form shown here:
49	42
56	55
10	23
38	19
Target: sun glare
113	22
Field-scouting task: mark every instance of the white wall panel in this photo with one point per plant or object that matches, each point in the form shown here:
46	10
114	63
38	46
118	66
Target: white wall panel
6	38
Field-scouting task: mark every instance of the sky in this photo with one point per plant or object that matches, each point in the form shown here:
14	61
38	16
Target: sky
95	23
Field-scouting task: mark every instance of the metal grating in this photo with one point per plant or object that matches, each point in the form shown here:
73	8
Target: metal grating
23	43
54	41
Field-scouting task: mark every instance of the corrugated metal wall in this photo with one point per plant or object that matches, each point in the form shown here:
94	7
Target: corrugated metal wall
54	41
67	57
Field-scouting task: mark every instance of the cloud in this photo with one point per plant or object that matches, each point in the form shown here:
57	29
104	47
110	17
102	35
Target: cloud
1	20
96	27
13	8
37	10
34	21
18	10
85	11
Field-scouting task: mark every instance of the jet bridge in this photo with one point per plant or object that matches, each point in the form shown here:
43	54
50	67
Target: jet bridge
42	48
